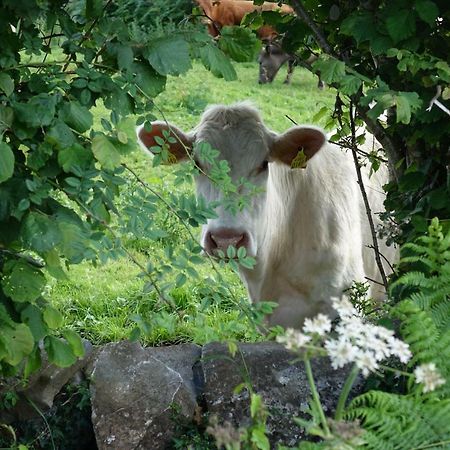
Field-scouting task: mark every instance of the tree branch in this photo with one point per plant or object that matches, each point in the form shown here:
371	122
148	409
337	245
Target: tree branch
373	126
320	38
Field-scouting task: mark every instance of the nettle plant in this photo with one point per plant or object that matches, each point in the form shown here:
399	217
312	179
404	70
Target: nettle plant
61	172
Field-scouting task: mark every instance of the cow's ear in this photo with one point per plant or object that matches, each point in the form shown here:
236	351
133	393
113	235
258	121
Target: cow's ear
297	145
180	143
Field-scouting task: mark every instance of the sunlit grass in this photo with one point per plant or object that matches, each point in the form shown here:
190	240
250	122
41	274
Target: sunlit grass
101	302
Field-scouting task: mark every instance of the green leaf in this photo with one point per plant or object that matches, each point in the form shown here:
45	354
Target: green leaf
331	70
38	111
239	43
6	84
406	102
59	352
33	362
260	439
125	56
60	135
52	317
256	404
360	26
77	116
180	279
75	342
427	11
401	24
22	282
94	8
6	118
215	61
75	243
169	55
350	85
148	80
40	232
32	317
19	343
74	156
105	152
6	162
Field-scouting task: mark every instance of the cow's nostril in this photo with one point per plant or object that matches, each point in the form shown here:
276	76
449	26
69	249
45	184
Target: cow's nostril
223	238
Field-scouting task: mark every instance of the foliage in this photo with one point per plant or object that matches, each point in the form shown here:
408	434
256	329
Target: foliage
61	172
419	417
66	425
393	57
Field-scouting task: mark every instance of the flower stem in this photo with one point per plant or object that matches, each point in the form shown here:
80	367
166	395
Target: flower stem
315	395
345	392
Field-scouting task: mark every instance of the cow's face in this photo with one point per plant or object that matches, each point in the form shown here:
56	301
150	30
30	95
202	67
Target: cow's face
250	149
271	58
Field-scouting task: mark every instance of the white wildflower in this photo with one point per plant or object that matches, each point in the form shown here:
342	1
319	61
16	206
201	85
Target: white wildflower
351	327
321	324
344	307
429	376
341	351
368	340
399	349
293	339
366	361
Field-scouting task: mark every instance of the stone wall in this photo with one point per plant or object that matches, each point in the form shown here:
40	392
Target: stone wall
140	396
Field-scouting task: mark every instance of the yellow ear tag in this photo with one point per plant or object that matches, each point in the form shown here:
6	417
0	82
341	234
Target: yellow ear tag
300	160
172	159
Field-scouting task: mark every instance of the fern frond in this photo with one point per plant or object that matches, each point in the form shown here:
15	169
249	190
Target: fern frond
400	422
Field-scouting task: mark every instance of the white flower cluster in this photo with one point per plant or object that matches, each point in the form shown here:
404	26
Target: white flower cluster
357	342
429	376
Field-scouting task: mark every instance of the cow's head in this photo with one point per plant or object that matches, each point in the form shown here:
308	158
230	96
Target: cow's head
251	151
271	58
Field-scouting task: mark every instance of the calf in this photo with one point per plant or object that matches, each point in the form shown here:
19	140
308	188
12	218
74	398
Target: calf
308	229
272	57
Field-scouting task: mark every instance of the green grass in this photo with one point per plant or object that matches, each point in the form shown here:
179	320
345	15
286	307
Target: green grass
101	302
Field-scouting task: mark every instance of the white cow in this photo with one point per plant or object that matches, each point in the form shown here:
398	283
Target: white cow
308	230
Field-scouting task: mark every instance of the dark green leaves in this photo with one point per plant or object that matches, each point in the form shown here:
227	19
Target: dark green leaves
6	162
239	43
169	55
331	70
427	11
215	61
6	84
38	111
22	282
40	232
77	117
401	24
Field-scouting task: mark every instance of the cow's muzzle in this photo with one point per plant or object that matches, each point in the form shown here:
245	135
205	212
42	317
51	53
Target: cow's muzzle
222	238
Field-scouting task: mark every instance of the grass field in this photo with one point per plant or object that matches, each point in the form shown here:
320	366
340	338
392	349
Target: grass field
101	302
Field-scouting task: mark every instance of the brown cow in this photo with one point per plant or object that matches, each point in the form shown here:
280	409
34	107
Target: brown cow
221	13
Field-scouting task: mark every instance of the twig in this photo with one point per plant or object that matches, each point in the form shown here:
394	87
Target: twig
320	38
384	257
87	33
365	199
373	125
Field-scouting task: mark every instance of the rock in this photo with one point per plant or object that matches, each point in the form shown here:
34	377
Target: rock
135	391
282	385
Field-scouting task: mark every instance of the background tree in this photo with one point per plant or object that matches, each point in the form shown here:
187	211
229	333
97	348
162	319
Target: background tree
388	56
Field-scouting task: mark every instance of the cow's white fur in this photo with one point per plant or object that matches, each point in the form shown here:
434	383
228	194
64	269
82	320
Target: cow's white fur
308	230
